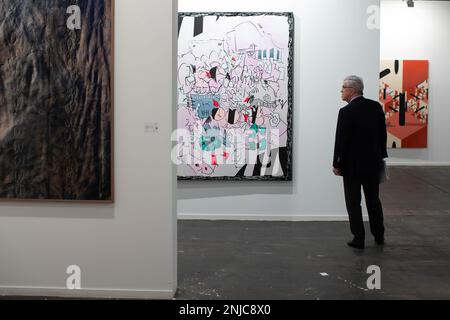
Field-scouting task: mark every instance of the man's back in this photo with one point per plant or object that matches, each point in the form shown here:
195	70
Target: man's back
361	138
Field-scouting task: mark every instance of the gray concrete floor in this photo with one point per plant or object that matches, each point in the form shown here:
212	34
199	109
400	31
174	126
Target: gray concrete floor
284	260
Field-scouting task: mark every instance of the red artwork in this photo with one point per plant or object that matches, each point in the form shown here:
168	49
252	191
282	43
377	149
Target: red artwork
404	97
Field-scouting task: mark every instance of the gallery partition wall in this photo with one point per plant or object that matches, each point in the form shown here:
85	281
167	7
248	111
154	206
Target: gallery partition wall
86	97
330	40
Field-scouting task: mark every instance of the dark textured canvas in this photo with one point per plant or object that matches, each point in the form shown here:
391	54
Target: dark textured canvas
56	100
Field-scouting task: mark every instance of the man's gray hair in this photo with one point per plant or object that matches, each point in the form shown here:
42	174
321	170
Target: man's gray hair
356	83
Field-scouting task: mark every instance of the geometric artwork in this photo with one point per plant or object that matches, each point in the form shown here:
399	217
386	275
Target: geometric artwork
235	99
56	100
404	97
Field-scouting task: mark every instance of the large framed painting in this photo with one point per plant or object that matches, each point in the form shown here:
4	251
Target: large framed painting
404	97
235	100
56	100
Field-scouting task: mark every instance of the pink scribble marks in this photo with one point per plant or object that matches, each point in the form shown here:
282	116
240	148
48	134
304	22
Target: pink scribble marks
213	160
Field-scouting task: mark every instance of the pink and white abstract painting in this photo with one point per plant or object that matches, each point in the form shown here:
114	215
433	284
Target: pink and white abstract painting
235	96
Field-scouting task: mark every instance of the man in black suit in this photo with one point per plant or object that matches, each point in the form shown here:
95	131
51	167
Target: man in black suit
360	148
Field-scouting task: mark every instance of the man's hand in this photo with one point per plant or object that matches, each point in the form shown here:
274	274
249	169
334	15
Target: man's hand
337	172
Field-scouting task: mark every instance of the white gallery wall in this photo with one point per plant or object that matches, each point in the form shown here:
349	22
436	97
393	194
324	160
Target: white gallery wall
332	40
422	33
125	249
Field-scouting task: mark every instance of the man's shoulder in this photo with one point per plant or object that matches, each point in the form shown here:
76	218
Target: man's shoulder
348	108
357	102
371	101
365	101
345	108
